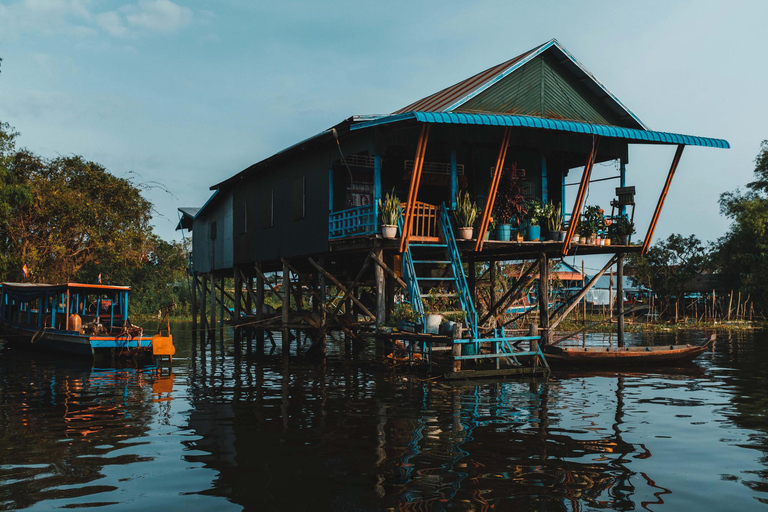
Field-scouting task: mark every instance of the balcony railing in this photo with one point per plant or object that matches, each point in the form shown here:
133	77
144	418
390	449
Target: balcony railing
358	221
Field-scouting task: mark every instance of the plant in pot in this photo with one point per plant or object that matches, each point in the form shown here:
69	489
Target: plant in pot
435	304
465	215
406	318
593	220
389	209
535	214
509	205
621	229
554	222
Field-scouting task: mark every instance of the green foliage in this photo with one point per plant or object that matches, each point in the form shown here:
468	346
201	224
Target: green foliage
390	209
69	219
667	267
592	221
622	226
404	312
535	211
741	255
510	201
466	210
553	215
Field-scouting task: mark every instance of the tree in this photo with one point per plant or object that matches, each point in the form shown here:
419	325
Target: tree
741	255
667	267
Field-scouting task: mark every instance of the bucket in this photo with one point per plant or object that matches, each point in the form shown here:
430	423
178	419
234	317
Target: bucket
468	349
503	232
433	324
533	233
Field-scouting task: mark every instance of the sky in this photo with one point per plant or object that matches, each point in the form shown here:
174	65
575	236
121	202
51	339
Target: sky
180	95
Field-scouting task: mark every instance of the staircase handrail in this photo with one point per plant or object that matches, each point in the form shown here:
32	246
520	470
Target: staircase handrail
409	272
458	271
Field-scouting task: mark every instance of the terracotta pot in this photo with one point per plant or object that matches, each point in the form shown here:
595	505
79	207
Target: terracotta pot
464	233
388	231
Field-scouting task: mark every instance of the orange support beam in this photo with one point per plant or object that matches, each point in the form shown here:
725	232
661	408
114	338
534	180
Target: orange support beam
413	191
579	203
660	204
493	190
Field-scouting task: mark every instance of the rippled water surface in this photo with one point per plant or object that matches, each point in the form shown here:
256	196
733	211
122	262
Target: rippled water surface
216	431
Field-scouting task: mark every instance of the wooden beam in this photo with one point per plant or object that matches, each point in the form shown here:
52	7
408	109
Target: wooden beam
381	299
494	188
388	270
620	298
512	290
264	278
341	287
660	204
544	297
553	325
413	191
581	194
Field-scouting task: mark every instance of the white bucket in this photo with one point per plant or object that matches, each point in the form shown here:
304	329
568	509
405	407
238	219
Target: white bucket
433	324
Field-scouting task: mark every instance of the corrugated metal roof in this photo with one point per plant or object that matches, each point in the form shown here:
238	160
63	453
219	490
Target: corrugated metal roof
454	97
630	134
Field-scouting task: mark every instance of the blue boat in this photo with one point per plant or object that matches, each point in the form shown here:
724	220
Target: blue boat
83	319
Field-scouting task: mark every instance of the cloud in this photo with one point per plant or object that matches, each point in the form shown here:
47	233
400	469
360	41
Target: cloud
160	16
83	18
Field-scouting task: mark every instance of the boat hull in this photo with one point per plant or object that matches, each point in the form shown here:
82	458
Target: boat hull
629	356
72	343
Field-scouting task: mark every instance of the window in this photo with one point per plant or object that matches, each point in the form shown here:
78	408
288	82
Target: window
269	210
299	198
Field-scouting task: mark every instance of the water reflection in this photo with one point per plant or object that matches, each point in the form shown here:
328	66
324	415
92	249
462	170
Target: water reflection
226	429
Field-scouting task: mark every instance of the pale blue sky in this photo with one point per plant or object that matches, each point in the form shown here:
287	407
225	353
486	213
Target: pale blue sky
187	93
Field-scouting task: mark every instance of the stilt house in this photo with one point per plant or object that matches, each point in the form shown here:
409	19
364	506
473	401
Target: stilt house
312	211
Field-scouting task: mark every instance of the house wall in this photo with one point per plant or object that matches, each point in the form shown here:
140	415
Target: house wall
217	253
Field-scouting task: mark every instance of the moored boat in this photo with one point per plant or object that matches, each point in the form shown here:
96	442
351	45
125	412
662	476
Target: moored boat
602	356
84	319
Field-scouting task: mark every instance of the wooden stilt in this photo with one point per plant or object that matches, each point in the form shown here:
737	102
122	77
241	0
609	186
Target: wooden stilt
194	292
381	297
286	309
544	297
620	298
238	283
203	305
212	325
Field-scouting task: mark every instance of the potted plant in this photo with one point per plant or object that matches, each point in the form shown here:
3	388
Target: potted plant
465	215
390	214
491	229
584	232
509	205
535	213
621	229
593	221
554	221
406	318
435	304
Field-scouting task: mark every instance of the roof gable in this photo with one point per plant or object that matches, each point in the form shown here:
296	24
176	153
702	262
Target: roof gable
544	82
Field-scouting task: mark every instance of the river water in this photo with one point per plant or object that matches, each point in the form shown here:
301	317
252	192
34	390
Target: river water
219	432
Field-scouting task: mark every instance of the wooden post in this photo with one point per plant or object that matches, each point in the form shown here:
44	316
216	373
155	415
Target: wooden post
259	308
620	298
492	289
203	303
544	297
584	303
212	325
194	301
533	330
322	293
221	308
381	289
660	204
286	308
238	284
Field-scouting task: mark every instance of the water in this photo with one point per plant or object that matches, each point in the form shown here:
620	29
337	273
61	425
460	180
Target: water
225	433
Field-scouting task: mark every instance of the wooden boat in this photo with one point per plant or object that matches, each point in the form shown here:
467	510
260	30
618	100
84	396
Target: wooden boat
84	319
601	356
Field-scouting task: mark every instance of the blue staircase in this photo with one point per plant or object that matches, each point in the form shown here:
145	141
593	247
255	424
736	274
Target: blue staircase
419	261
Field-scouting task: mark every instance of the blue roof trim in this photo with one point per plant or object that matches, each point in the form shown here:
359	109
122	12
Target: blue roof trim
618	132
215	193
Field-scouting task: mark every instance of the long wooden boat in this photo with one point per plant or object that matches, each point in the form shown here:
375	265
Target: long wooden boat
601	356
84	319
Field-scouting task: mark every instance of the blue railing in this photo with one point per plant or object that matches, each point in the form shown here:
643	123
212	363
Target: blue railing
409	273
458	270
358	221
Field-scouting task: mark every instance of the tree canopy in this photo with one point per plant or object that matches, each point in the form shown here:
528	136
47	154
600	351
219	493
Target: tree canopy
69	219
741	255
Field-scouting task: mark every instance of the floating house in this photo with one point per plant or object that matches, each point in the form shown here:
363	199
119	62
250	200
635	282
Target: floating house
312	211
